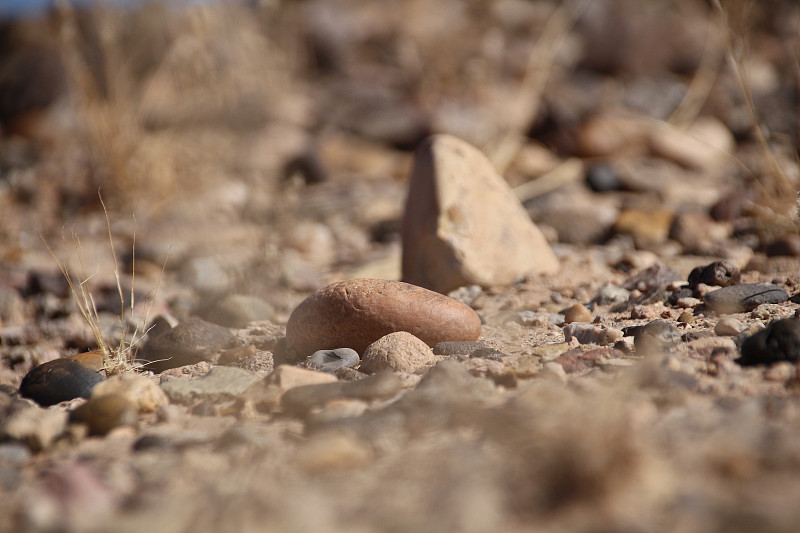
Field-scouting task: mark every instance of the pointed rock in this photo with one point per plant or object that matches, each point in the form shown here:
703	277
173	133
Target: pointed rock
462	223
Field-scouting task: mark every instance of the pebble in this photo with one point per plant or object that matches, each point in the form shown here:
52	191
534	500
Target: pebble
37	428
452	234
577	313
220	384
538	319
287	377
142	392
688	302
331	360
646	227
457	347
656	337
780	341
466	294
697	232
656	276
63	379
687	317
728	327
192	341
721	273
603	177
744	297
103	413
400	351
488	353
611	294
590	334
356	313
237	310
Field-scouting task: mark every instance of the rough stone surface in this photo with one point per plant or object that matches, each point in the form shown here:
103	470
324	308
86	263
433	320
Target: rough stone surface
721	273
190	342
356	313
401	351
63	379
221	383
457	347
462	223
780	341
744	297
139	390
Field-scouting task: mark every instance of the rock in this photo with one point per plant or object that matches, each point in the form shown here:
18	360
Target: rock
457	347
577	313
103	413
580	222
237	310
488	353
205	275
744	297
721	273
728	327
356	313
462	223
611	294
401	351
697	232
702	146
657	276
590	334
192	341
331	360
38	428
656	337
603	177
314	241
63	379
780	341
301	401
606	135
538	319
647	227
220	384
467	294
142	392
687	318
287	377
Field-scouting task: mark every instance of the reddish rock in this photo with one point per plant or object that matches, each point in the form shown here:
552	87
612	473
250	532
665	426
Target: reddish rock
356	313
463	225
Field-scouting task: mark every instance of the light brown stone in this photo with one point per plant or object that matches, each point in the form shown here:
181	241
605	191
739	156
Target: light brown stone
462	223
288	377
400	351
138	390
577	313
356	313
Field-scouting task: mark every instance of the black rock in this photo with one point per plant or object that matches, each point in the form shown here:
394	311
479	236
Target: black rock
780	341
332	360
744	297
656	337
63	379
603	177
720	273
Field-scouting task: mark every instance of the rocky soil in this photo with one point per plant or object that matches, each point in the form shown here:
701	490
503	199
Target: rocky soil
594	196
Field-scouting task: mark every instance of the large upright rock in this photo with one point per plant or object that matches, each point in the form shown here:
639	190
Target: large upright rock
462	223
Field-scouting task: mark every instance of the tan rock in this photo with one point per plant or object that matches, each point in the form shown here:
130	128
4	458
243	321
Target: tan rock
400	351
607	135
462	223
288	377
704	144
647	227
356	313
138	390
577	313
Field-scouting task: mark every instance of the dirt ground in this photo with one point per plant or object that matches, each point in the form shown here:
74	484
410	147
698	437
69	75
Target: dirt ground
263	149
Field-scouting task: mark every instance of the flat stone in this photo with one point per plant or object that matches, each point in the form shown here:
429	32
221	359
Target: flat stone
144	393
356	313
457	347
220	384
780	341
462	223
192	341
64	379
331	360
400	351
288	377
744	297
656	337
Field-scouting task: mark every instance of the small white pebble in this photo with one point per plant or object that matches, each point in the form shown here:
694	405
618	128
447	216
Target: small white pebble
728	327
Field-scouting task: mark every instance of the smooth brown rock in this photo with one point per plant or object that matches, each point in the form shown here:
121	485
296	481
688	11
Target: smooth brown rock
356	313
400	351
577	313
462	223
63	379
104	413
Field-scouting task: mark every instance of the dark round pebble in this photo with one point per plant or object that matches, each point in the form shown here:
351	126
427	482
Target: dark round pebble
780	341
656	337
603	177
744	297
63	379
331	360
720	273
457	347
